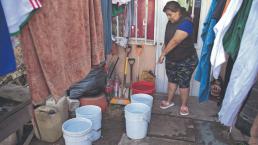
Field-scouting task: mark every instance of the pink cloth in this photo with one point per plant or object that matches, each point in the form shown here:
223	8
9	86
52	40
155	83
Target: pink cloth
61	42
254	133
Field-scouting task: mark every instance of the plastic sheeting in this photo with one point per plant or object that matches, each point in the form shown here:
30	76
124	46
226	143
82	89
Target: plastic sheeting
93	84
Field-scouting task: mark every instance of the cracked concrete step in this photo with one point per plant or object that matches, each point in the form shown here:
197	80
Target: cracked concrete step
212	133
170	127
152	141
201	111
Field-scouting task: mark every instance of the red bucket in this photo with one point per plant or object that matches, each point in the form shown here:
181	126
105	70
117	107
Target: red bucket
143	87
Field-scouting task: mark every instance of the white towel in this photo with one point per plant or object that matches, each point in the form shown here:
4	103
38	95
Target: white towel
218	53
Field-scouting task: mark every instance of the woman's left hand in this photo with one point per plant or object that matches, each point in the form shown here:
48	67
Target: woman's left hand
161	59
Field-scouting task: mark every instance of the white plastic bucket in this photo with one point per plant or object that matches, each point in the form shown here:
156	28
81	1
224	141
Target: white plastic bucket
142	98
145	99
93	113
136	116
95	134
76	131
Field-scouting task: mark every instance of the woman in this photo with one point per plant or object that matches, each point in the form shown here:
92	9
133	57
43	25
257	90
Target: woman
180	54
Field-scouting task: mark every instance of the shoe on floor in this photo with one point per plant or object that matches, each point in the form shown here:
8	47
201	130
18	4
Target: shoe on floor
165	104
184	111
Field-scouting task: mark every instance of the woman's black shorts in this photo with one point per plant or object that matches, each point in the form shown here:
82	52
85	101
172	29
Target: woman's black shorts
181	72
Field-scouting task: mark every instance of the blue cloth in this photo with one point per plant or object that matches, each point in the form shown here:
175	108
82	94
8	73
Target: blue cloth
204	67
7	59
106	6
186	26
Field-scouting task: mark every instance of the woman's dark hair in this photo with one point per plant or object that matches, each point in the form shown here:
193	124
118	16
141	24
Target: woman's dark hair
175	7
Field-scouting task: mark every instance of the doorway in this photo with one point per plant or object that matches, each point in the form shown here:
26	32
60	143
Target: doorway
161	21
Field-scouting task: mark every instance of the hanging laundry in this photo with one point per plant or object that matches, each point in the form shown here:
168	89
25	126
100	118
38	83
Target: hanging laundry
218	54
151	20
228	71
106	7
226	6
128	19
229	62
7	59
232	38
17	12
122	24
145	19
219	9
185	3
60	50
141	14
203	69
196	18
244	71
120	2
116	10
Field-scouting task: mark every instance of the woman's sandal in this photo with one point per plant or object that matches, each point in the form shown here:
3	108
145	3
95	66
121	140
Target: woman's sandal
165	104
184	110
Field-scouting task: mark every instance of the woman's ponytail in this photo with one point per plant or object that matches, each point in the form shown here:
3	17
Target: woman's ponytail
184	12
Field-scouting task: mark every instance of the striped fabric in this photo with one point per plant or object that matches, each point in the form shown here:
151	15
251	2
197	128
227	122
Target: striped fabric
35	4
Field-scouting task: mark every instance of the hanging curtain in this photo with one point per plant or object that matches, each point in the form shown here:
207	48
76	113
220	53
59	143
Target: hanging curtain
106	6
61	42
244	72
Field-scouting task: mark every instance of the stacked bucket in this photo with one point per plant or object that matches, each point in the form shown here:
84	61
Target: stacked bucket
138	115
93	113
76	131
85	128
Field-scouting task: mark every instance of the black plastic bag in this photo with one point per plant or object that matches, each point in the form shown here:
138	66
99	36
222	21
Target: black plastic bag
91	86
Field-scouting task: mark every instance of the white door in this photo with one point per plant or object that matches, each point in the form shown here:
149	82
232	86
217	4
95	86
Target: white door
161	21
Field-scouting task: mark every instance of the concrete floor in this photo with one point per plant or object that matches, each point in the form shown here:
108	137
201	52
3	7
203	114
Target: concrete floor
167	127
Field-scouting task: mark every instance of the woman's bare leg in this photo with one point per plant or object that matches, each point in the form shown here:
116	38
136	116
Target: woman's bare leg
171	91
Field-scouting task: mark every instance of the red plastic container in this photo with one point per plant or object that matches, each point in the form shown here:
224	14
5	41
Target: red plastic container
143	87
